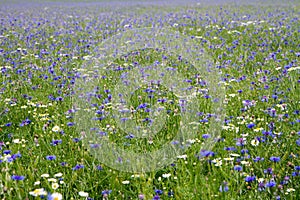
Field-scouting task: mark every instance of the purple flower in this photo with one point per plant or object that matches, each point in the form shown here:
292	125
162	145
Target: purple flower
238	168
223	187
17	177
271	184
7	152
70	124
105	193
141	196
206	153
258	159
251	125
275	159
76	139
156	197
78	166
159	192
298	142
51	157
295	174
56	142
8	124
206	136
171	194
249	179
268	171
261	186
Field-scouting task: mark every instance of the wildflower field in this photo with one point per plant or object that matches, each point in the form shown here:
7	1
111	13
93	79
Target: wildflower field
150	99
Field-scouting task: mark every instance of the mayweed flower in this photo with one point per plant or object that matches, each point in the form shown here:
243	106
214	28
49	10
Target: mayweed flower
45	175
217	162
38	192
55	196
58	174
56	129
166	175
125	182
83	194
254	142
54	186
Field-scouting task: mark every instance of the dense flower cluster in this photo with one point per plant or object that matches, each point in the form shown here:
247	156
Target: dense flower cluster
43	52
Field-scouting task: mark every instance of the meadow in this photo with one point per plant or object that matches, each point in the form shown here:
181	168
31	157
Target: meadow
67	94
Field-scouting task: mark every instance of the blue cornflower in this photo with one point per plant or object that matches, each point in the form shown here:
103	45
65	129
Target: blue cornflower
270	184
159	192
105	193
94	146
156	197
206	136
298	142
238	168
70	124
244	151
78	166
249	179
17	155
224	187
206	153
275	159
261	186
76	139
295	173
7	152
171	193
268	171
251	125
258	159
17	177
229	148
59	98
51	157
8	124
297	168
56	142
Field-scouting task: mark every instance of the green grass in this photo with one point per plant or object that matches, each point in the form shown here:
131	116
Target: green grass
190	178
